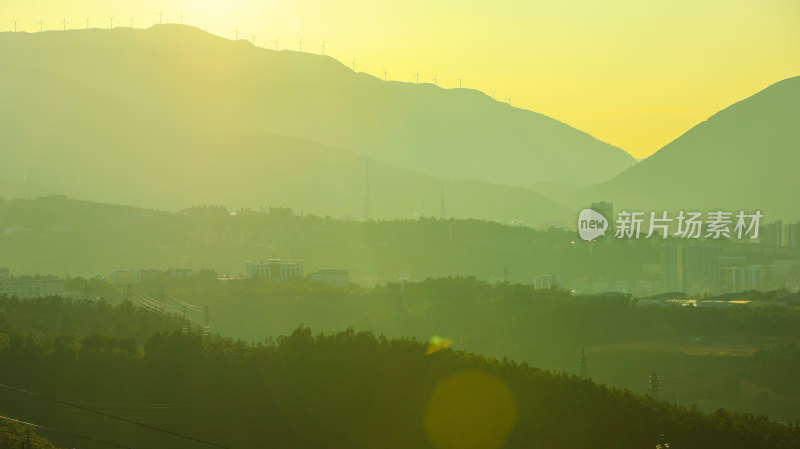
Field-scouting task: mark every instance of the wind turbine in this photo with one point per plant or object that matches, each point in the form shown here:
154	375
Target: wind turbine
509	100
41	24
131	20
276	43
65	23
236	34
354	65
493	93
384	74
181	17
160	17
459	81
87	23
323	48
417	76
434	79
300	43
111	18
253	37
15	24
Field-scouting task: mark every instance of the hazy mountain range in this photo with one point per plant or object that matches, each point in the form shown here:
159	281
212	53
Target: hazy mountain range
131	100
172	116
123	152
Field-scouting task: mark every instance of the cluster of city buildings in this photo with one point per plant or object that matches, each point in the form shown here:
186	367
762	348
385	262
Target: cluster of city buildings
698	268
779	234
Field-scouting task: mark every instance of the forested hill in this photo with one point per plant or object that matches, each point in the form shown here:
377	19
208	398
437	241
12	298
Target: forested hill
59	236
341	390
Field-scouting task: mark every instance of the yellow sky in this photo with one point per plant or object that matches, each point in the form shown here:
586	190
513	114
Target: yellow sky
636	74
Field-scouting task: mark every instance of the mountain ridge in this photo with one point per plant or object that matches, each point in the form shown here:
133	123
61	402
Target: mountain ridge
737	159
449	133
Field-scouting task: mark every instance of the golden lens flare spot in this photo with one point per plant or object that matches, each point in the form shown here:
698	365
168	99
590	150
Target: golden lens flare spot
437	343
470	410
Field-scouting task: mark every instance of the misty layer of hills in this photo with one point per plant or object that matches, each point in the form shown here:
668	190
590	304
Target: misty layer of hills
173	106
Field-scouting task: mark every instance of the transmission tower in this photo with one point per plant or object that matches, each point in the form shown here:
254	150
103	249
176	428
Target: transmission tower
207	326
655	385
442	213
584	364
367	215
185	327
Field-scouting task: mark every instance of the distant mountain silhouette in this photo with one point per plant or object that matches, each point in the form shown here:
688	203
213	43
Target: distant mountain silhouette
746	156
207	82
84	143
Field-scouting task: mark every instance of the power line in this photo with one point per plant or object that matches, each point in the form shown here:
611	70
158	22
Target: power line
119	418
64	432
27	440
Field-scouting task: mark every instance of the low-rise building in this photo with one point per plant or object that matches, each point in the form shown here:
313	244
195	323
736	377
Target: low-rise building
547	281
334	278
31	287
275	269
127	277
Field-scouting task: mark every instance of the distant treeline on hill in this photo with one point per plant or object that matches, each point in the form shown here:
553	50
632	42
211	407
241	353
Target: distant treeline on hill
55	235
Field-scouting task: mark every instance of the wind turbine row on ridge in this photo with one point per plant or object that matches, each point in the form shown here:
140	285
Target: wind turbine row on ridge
323	47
